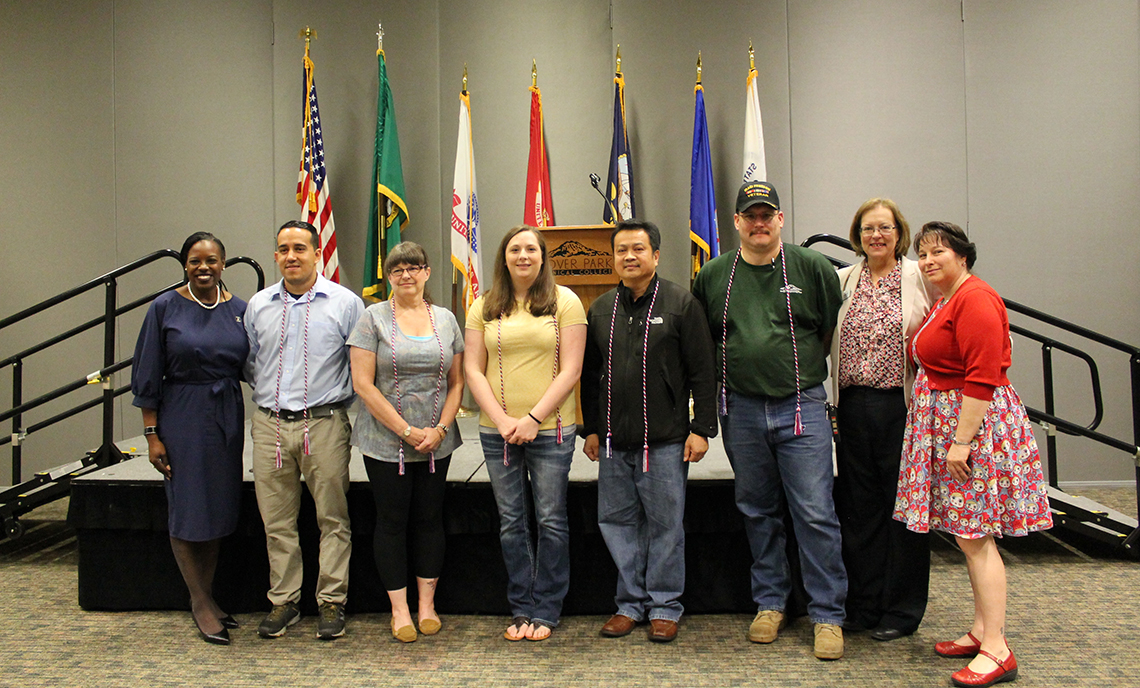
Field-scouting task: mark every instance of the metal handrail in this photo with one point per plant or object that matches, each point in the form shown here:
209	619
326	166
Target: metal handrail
107	452
88	286
1047	418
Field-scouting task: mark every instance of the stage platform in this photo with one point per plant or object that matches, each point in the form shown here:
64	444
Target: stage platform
125	562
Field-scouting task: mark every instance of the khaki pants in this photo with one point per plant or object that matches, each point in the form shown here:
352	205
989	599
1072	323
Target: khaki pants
325	471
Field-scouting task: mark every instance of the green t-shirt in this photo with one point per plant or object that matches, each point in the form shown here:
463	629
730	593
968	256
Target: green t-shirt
760	361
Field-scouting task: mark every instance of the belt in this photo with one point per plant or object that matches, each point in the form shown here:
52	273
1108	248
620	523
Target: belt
322	411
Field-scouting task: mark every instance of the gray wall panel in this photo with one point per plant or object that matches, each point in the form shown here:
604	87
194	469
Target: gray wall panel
878	109
1053	92
57	117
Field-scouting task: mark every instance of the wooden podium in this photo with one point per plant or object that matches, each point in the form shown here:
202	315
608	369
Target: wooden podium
582	259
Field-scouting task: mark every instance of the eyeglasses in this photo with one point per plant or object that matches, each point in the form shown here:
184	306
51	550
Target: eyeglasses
411	271
885	230
762	217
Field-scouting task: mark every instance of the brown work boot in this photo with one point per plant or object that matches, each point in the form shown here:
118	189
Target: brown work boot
828	641
766	626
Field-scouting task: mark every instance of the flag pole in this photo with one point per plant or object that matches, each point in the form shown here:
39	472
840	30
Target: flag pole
751	56
455	292
694	250
533	73
380	209
617	69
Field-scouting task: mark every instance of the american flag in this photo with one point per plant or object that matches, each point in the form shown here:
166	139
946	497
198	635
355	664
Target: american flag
313	181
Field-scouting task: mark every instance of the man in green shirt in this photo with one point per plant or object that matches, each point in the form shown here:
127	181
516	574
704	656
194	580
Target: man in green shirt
772	308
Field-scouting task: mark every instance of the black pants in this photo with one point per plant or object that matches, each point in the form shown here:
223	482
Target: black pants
410	503
888	566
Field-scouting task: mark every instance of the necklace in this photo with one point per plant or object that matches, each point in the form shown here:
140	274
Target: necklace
435	412
798	426
281	366
213	305
503	382
644	362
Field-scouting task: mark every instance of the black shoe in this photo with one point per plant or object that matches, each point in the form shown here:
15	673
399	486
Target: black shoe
229	621
279	619
222	637
331	624
886	633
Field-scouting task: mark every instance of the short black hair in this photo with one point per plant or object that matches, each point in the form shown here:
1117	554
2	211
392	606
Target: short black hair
635	225
951	236
314	236
194	238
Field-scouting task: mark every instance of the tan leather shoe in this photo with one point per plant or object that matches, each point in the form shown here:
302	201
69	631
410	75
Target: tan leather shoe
430	626
766	626
828	641
662	630
405	634
619	625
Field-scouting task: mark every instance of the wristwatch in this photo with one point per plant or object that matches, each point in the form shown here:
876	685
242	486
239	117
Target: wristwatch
442	430
408	431
150	430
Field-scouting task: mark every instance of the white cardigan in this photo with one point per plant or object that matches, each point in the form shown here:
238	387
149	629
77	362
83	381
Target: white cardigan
918	296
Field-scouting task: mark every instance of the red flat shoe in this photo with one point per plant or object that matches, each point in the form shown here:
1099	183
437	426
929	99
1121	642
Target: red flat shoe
950	648
1006	670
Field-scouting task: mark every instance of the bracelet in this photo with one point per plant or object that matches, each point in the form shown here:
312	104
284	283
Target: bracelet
533	418
150	430
960	444
442	430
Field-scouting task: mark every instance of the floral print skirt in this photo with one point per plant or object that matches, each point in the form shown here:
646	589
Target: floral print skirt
1005	494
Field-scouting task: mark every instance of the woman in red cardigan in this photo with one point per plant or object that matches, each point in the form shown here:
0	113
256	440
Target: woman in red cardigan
970	463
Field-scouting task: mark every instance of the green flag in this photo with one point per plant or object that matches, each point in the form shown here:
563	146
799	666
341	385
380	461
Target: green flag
389	210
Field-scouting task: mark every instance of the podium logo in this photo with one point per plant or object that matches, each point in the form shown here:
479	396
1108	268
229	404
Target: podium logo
573	258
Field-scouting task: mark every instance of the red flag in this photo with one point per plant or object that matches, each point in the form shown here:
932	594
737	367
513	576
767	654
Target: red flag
539	210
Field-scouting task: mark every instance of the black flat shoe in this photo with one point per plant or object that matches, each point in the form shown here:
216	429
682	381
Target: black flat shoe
222	637
884	633
229	621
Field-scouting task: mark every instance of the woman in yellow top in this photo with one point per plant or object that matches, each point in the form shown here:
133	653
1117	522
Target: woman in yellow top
525	340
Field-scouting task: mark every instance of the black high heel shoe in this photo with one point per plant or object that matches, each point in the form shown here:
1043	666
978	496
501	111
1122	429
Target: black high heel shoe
228	621
222	637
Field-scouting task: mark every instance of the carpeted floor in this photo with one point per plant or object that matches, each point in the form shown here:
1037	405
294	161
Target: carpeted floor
1073	620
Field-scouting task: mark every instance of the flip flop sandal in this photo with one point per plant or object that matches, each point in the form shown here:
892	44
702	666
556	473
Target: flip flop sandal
517	623
550	631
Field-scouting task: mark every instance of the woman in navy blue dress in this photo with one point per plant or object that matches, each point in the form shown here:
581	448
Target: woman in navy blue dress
185	378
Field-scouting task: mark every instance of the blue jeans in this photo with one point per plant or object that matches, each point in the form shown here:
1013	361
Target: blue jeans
771	463
641	516
537	576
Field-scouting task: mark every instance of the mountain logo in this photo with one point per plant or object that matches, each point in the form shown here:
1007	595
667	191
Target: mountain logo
574	248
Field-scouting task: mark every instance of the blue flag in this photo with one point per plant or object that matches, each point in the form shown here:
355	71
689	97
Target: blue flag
702	194
619	184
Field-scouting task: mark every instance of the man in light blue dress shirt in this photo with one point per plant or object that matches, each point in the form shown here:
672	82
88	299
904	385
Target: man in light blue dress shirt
298	367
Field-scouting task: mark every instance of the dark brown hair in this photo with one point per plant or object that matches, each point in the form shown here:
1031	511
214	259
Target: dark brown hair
951	236
407	253
901	226
541	298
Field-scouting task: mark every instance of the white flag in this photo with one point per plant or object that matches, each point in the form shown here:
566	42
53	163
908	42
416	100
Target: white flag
755	166
465	210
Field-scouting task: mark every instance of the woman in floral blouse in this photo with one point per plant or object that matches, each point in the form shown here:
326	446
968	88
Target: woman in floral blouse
885	299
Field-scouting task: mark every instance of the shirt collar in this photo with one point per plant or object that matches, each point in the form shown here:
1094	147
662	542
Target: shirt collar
320	288
627	294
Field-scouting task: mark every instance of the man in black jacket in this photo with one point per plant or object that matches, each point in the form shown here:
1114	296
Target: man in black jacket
647	347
